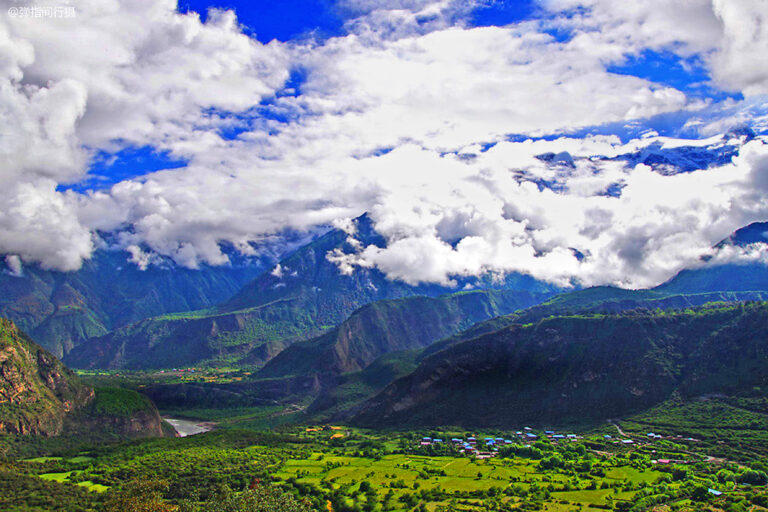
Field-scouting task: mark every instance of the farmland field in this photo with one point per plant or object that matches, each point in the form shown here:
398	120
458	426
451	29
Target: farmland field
346	469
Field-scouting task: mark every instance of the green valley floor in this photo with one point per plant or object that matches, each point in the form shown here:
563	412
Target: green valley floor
709	454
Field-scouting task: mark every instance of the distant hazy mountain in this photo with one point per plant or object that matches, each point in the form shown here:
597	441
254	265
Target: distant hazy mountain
733	277
62	309
303	296
580	368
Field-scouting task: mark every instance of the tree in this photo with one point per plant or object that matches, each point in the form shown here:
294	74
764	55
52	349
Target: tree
752	477
700	493
259	499
139	496
680	474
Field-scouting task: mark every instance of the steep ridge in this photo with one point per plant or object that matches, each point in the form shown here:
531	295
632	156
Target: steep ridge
689	288
309	276
39	395
36	390
354	388
741	278
63	309
300	298
600	299
731	277
390	326
580	368
306	294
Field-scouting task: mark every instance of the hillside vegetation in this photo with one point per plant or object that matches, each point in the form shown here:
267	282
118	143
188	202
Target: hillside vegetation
40	396
36	390
301	298
391	326
576	369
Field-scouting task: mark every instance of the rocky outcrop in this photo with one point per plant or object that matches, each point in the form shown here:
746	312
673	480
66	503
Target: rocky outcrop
117	413
39	395
36	390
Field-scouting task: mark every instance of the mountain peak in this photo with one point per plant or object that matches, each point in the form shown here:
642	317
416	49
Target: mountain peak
757	232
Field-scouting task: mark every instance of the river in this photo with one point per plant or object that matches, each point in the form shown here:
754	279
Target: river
189	427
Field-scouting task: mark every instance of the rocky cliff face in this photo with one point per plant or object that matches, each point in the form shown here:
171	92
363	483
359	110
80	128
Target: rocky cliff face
36	390
39	395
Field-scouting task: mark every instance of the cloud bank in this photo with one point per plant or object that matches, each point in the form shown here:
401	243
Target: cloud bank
408	116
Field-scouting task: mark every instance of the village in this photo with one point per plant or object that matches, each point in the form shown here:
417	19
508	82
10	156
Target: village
488	447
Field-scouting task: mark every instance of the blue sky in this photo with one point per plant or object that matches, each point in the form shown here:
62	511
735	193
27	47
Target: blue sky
286	20
283	20
109	168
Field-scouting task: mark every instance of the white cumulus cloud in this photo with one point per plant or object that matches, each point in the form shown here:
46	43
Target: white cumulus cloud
394	118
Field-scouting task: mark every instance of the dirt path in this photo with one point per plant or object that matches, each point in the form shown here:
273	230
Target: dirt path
290	409
618	427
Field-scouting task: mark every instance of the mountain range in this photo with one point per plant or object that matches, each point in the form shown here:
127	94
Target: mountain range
369	350
63	309
301	297
302	317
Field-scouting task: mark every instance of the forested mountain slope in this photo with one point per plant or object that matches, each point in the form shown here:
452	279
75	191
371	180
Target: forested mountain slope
580	368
